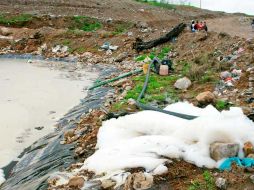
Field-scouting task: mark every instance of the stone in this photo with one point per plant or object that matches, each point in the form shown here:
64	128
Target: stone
131	101
76	182
220	150
142	25
182	83
5	31
251	156
248	148
138	181
221	183
252	178
121	57
206	97
106	184
69	134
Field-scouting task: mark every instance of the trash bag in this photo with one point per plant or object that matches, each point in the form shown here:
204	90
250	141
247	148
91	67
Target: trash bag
245	162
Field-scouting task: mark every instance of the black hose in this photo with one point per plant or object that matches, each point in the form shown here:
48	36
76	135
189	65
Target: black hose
148	107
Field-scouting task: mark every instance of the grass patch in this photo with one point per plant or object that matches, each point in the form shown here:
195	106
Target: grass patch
121	28
160	54
159	88
208	183
162	4
202	69
86	24
17	20
222	105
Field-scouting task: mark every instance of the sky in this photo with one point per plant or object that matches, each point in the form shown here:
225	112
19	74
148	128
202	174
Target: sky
231	6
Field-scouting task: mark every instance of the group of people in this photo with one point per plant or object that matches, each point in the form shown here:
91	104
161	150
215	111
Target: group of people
197	26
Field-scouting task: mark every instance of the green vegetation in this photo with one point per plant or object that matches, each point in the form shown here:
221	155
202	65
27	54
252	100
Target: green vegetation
162	4
160	54
222	105
202	69
86	23
17	20
208	183
159	88
121	28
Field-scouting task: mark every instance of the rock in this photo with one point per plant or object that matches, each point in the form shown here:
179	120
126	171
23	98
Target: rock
206	97
69	134
106	184
248	148
109	52
138	181
142	25
121	57
131	101
252	178
221	183
219	150
76	182
251	156
5	31
182	83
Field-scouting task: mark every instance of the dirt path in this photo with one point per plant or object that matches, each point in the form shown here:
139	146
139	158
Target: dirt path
233	25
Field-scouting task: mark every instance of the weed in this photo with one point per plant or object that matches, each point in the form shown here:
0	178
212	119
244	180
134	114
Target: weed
66	42
161	54
222	105
159	88
17	20
86	23
121	28
208	183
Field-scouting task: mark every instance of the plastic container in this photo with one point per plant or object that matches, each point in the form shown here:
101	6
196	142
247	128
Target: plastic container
145	68
163	70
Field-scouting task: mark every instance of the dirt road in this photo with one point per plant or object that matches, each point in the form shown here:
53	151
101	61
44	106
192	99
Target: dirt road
233	25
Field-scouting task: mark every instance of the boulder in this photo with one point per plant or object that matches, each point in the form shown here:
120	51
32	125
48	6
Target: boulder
220	150
76	182
138	181
182	83
206	97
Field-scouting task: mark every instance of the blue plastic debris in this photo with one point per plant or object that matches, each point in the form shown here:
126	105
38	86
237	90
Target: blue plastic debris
245	162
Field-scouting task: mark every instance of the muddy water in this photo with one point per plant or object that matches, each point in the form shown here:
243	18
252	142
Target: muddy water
32	99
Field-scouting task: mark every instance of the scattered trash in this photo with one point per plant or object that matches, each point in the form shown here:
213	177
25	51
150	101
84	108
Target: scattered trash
108	46
244	162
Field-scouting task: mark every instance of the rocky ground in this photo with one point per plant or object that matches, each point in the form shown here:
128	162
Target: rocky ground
218	68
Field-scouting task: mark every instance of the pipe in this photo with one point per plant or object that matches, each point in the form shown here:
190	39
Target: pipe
116	78
148	107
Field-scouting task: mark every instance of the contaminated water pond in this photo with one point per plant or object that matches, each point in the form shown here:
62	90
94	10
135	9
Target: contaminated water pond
33	97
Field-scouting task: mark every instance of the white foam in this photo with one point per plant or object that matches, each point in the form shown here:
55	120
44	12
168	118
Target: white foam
2	179
146	139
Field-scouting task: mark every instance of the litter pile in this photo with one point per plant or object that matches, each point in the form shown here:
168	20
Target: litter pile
149	139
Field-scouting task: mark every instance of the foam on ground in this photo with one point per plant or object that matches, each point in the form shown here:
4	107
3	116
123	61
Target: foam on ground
2	179
146	139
